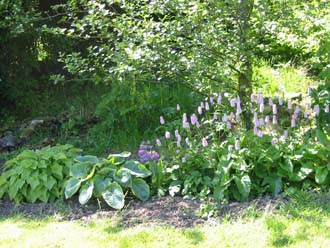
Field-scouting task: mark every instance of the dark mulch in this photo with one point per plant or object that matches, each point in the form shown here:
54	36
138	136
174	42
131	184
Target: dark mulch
172	211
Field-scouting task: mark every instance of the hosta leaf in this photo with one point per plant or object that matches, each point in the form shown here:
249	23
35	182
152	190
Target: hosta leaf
100	184
86	192
56	170
87	158
33	181
114	196
121	155
72	187
80	170
321	174
243	185
136	169
140	189
123	178
51	182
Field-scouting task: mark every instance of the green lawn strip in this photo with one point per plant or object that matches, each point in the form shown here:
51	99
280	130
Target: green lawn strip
305	222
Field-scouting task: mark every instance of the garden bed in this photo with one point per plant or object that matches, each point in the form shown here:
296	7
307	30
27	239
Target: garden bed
171	211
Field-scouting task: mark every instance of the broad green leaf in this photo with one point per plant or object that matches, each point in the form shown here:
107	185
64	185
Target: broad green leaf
321	174
33	181
87	158
321	137
243	185
123	178
100	184
72	187
275	183
57	170
136	169
86	192
80	170
51	182
114	196
287	166
140	189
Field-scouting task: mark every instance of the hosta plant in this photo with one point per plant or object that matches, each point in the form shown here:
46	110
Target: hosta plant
107	179
37	175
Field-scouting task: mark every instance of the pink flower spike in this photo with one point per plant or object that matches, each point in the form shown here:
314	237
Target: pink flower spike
260	98
193	119
261	107
238	108
274	119
224	118
238	100
230	148
305	115
270	101
261	121
202	105
232	102
255	129
308	106
207	107
260	134
289	104
211	100
237	145
326	108
187	141
200	111
161	120
158	142
280	101
293	123
219	99
178	143
204	142
178	107
176	133
167	135
309	90
228	124
184	117
215	116
274	109
316	109
267	119
185	125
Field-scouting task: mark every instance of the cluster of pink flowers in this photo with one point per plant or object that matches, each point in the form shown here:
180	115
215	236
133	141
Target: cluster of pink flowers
265	115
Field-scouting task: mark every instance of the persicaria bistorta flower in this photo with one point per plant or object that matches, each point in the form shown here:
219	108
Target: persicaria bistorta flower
167	135
274	109
289	104
233	102
199	109
207	106
158	142
204	142
237	145
178	107
274	119
219	99
326	108
316	109
270	101
280	101
274	141
161	119
230	148
261	107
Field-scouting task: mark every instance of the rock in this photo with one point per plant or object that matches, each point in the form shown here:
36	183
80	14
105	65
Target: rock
8	141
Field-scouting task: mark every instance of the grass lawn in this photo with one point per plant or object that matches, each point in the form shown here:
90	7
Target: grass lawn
304	222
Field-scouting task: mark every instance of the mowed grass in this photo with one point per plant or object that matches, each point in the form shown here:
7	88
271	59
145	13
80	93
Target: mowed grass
304	222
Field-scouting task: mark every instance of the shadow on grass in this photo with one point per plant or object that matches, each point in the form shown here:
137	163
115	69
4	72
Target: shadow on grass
303	219
194	235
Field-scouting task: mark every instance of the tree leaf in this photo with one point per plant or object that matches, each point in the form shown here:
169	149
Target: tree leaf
136	169
114	196
72	187
140	189
86	192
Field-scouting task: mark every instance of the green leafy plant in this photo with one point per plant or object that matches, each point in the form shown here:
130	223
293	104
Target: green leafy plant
107	179
37	175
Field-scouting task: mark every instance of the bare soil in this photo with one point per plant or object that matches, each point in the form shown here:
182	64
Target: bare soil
171	211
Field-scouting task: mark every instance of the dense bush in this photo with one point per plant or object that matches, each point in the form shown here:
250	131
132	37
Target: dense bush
37	175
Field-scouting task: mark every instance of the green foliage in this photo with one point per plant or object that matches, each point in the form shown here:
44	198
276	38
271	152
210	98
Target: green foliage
107	178
215	157
37	175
